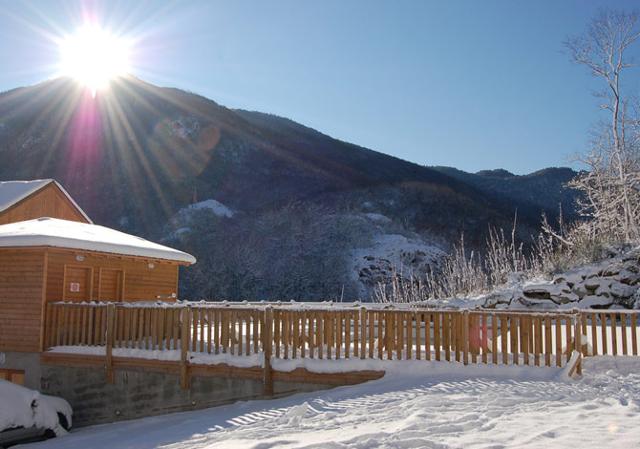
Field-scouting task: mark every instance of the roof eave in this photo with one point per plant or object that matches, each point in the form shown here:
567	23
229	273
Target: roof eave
70	198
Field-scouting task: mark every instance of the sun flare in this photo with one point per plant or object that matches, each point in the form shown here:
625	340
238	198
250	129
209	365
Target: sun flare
93	56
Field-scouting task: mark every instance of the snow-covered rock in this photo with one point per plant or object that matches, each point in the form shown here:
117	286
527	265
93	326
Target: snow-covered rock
181	222
184	127
590	302
391	255
613	283
215	206
374	216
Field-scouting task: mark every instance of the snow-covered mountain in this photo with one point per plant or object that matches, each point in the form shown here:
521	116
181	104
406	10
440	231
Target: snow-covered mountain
138	155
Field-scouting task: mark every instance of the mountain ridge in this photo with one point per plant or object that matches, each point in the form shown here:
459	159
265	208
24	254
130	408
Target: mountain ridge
137	154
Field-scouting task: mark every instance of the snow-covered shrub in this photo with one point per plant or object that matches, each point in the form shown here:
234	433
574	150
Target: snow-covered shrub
464	273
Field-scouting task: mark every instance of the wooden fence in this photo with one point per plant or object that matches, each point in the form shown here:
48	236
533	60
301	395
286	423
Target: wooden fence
289	332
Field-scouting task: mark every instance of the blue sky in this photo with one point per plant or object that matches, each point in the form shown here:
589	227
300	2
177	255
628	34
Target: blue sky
468	84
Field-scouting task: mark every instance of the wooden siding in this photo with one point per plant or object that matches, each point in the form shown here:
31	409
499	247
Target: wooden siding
49	201
110	284
21	294
81	278
140	282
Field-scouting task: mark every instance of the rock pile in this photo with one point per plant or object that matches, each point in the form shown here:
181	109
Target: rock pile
614	283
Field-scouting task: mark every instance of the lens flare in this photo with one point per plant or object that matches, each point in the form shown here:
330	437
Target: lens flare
93	56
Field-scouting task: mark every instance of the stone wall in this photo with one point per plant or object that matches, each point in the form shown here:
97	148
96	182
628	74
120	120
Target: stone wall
138	393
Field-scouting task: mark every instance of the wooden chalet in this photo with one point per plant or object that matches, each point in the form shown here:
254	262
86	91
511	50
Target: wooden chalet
51	251
25	200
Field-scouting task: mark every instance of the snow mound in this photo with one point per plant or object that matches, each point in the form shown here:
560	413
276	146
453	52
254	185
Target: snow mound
182	221
373	216
215	206
22	407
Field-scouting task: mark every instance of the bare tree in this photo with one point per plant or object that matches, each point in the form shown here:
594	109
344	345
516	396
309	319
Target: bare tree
611	181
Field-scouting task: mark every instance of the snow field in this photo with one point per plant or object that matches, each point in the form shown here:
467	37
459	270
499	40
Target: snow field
429	405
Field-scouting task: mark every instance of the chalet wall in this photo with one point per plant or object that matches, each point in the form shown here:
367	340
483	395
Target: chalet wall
140	282
21	294
47	202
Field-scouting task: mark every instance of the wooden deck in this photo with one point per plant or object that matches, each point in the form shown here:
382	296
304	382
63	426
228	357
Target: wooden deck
247	339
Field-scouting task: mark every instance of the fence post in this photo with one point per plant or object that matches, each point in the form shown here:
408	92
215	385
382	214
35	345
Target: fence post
47	331
465	336
267	348
111	313
185	337
363	331
578	338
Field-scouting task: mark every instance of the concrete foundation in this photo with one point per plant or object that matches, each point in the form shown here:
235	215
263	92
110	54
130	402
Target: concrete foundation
137	393
29	362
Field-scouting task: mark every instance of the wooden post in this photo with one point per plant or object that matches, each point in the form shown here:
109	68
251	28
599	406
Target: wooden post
465	336
494	339
504	338
185	337
427	336
48	330
446	342
614	333
267	346
436	333
111	312
578	339
547	341
373	327
483	341
363	333
417	319
594	334
634	336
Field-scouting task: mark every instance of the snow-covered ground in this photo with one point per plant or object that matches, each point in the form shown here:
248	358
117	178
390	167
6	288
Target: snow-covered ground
415	405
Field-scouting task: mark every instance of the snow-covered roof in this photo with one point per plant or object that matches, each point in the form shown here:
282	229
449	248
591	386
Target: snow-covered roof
90	237
12	192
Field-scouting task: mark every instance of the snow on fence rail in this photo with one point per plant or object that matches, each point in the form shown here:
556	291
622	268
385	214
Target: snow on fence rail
467	336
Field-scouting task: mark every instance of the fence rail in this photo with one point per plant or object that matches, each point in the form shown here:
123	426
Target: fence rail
467	336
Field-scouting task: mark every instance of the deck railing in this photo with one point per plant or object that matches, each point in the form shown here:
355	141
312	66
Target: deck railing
340	332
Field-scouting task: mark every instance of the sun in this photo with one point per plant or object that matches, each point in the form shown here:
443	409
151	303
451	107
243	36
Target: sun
94	57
